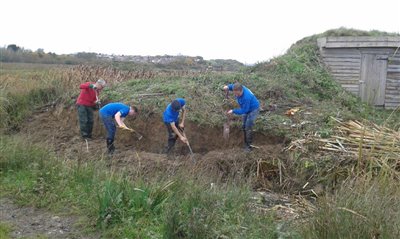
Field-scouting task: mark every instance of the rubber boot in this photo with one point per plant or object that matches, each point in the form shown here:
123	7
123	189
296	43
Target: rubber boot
110	146
90	130
168	149
171	144
248	139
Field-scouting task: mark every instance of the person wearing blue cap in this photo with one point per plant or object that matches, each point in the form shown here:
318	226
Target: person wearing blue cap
171	121
249	109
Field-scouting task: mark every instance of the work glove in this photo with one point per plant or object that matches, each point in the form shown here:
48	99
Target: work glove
126	128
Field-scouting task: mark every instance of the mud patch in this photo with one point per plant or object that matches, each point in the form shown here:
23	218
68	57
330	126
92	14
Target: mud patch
31	222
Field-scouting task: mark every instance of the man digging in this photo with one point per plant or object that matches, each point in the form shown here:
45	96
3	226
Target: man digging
171	121
86	103
117	111
249	109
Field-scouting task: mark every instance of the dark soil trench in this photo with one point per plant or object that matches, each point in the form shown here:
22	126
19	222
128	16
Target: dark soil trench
202	139
61	125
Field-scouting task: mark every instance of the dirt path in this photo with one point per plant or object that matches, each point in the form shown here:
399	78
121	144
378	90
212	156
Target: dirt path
29	222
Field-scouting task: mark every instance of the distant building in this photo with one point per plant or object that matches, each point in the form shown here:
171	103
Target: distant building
366	66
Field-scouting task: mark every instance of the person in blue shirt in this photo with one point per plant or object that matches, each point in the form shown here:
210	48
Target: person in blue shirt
249	109
171	121
117	112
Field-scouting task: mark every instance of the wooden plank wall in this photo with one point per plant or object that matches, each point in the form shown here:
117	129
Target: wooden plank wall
354	42
392	98
345	65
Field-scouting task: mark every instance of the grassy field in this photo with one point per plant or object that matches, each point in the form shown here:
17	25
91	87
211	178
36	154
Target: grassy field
359	199
183	207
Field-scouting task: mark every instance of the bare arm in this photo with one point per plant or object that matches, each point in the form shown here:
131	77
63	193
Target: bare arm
176	131
120	120
182	124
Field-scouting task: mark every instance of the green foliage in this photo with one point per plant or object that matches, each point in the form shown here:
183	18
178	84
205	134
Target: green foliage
13	47
207	212
16	107
184	206
16	54
120	202
12	159
4	104
363	208
5	230
22	89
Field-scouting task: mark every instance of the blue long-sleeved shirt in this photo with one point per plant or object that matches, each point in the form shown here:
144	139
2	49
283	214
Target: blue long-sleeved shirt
247	101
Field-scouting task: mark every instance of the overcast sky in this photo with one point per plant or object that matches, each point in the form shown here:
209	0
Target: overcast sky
246	30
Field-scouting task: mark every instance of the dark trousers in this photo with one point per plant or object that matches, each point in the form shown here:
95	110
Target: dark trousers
109	124
85	115
248	123
172	137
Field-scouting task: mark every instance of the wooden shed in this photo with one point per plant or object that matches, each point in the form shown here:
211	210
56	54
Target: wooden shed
366	66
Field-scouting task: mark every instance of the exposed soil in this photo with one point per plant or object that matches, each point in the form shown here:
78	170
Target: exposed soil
32	222
59	126
58	129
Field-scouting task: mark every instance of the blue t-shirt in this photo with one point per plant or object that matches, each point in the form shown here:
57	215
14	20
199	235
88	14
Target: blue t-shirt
171	115
247	101
111	109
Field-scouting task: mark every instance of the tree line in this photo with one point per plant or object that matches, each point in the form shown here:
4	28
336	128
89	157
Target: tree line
14	53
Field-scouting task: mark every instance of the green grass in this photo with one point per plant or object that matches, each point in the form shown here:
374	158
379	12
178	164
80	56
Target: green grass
181	206
362	208
23	87
5	230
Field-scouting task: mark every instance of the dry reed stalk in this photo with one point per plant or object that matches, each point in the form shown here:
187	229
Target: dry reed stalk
366	138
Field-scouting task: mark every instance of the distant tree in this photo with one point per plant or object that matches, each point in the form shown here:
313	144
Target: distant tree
40	52
86	55
13	47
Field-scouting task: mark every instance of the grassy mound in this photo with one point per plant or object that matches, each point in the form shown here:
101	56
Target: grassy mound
296	79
